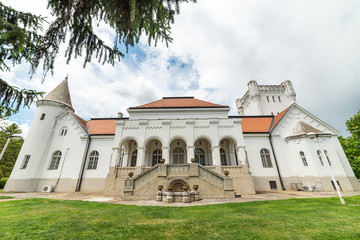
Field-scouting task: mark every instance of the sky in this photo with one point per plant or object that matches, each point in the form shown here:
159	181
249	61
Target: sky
217	48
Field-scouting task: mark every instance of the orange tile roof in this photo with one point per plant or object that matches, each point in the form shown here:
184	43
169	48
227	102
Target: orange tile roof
102	126
256	124
180	102
278	117
82	122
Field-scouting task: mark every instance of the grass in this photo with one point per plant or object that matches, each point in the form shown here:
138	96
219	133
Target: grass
319	218
5	197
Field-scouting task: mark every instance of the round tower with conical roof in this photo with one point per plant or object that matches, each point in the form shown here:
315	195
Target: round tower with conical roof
31	160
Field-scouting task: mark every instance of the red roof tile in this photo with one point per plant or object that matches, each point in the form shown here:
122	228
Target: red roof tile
180	102
82	122
278	117
256	124
102	127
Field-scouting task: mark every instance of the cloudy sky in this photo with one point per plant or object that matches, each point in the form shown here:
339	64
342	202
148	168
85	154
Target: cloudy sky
218	47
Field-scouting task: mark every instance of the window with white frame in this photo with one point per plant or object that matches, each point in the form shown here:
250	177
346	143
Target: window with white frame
178	156
25	162
265	158
93	160
199	156
63	131
55	160
303	158
320	158
156	156
223	157
327	157
133	158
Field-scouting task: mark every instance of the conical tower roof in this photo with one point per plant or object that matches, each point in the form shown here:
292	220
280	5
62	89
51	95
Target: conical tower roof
60	94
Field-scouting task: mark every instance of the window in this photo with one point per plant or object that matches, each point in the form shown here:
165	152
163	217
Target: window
42	116
133	158
319	155
178	156
63	131
199	156
157	154
327	157
265	158
267	97
93	160
273	97
25	162
55	160
279	98
302	155
273	185
223	157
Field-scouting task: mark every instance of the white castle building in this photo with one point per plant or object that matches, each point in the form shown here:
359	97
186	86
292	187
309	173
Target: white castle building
274	144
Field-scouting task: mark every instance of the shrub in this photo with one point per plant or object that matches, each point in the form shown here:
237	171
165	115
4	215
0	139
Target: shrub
2	182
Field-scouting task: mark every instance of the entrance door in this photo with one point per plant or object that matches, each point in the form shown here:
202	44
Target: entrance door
178	156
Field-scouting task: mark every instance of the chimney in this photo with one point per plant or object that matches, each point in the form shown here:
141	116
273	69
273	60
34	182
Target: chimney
120	115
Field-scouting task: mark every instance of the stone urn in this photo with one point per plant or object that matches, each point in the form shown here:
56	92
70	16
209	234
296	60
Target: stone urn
131	174
170	188
160	187
193	160
226	173
162	161
195	187
185	187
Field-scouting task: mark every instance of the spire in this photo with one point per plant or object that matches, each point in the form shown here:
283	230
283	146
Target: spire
60	94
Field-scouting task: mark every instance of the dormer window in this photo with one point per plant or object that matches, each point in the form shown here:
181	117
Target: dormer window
63	131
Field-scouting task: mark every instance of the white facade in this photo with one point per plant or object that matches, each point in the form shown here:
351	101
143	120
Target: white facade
95	152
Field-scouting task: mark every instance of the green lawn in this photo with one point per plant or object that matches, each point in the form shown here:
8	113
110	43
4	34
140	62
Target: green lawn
5	197
284	219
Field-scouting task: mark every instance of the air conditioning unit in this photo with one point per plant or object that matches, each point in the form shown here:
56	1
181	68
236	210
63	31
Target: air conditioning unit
47	188
309	188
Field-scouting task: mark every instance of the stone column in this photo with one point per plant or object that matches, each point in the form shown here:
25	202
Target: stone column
114	156
215	152
190	153
140	161
166	154
240	152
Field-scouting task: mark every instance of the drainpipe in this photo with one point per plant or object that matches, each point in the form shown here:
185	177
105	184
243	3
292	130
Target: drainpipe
276	164
78	185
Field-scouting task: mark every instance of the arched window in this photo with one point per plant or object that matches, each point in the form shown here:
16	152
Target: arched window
265	158
157	154
199	156
63	131
133	158
327	157
223	157
319	155
93	160
55	160
302	155
178	156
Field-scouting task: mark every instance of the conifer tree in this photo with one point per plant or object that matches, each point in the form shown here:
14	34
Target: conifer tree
22	37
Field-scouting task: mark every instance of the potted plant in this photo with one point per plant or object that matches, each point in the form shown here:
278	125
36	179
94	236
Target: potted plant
193	160
162	161
226	173
170	188
160	187
185	187
195	187
131	174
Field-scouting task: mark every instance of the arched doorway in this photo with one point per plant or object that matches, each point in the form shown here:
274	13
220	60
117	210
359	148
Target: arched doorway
202	152
153	152
128	154
228	152
178	152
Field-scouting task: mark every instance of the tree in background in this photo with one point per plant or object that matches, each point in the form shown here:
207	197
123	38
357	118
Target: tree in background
351	144
22	37
12	151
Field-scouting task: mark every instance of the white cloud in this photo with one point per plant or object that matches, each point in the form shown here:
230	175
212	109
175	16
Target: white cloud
223	45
